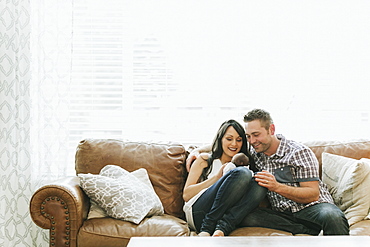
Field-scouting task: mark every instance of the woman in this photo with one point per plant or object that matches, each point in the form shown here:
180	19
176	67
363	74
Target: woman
215	202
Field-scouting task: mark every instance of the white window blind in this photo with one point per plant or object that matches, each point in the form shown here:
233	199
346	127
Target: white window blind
174	71
98	62
123	83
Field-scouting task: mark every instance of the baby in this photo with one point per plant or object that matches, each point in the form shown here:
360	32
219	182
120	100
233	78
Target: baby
239	159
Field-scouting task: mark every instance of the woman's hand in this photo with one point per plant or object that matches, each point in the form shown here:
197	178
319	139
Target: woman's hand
221	171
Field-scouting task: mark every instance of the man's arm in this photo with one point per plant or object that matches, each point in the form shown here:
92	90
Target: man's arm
194	154
306	193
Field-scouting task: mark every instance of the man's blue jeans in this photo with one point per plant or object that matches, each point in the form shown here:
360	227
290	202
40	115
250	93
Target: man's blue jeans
310	220
225	204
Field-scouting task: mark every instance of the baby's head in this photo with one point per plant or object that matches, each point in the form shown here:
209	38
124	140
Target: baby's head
240	159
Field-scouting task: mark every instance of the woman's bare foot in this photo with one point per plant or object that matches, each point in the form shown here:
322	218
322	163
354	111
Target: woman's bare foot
218	233
204	234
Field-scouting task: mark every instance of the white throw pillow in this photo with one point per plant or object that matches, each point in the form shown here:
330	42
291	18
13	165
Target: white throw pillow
121	194
96	211
348	181
367	217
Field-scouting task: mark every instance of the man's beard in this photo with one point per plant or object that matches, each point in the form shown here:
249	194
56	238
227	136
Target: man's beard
261	147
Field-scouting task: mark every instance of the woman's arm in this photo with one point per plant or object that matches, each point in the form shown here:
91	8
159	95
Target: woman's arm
192	187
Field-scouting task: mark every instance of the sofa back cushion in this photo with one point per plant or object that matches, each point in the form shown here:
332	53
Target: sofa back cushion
355	149
164	163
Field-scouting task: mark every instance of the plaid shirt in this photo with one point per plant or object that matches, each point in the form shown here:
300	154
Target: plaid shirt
292	163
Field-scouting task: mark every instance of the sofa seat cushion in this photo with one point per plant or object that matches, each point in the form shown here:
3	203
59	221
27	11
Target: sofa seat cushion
361	228
112	232
258	231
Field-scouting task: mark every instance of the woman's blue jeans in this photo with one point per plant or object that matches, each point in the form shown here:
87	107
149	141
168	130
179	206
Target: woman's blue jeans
225	204
310	220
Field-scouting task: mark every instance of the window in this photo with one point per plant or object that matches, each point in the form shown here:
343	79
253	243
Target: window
174	71
128	81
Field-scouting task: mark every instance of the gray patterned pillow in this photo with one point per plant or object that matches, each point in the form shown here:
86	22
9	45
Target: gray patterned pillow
121	194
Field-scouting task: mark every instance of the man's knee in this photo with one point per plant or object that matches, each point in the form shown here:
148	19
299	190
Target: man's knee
331	213
333	220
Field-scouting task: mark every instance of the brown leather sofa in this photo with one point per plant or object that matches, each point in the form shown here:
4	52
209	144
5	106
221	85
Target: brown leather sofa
62	207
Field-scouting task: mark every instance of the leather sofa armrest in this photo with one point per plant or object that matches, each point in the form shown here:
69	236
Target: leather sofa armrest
61	206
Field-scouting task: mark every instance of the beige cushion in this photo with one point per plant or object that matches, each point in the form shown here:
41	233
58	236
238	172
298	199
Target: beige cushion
121	194
368	216
348	181
97	212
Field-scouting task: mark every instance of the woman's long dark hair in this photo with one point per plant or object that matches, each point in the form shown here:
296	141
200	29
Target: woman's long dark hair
217	150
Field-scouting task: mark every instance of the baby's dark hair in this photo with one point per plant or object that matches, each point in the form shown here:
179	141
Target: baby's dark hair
240	159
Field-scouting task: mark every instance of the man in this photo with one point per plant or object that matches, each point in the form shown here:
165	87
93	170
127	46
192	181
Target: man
300	202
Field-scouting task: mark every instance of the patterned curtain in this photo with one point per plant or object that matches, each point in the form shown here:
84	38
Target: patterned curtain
34	82
15	123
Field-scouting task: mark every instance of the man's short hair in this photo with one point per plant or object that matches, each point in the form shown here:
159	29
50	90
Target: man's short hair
259	114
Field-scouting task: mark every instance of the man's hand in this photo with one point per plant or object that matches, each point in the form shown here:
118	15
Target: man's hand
267	180
192	156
